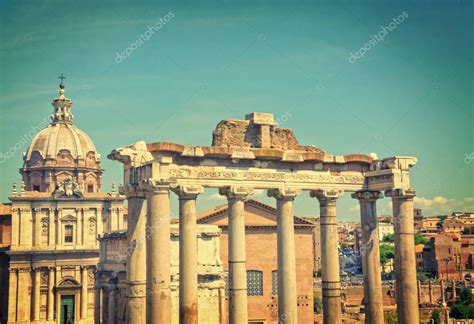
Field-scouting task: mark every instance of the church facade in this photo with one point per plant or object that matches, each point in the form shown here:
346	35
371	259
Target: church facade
49	250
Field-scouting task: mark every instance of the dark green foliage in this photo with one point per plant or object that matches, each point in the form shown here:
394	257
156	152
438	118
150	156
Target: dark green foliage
436	316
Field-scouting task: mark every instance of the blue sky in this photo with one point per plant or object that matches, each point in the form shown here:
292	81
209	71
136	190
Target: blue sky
410	94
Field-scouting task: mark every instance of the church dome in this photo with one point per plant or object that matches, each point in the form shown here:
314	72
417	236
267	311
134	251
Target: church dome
50	141
61	151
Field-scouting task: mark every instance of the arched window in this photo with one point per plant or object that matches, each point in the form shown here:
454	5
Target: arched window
254	283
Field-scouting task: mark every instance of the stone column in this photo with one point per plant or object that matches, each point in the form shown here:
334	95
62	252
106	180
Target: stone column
373	299
238	312
188	254
84	291
12	295
97	299
443	292
158	292
36	295
136	256
431	291
112	307
50	309
454	290
287	298
405	261
331	283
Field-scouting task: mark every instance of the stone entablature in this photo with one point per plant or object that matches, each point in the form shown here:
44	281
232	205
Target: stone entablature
39	223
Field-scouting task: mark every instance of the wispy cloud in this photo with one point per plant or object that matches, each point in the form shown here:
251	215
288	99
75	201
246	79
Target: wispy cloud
440	204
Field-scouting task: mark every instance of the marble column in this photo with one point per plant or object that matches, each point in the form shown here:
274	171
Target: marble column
405	260
36	294
331	283
287	298
158	276
84	292
373	300
188	254
136	255
238	312
50	309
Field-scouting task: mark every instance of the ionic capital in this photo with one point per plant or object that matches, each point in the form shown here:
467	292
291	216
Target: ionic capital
326	197
400	193
283	193
187	192
235	192
367	195
155	186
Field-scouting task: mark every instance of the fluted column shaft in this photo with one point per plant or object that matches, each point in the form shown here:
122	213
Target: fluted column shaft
287	299
136	256
188	254
331	283
50	312
405	260
238	312
158	247
84	293
37	296
370	253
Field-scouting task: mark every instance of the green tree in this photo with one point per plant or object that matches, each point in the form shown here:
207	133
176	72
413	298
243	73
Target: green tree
391	318
388	238
420	239
387	252
459	311
470	311
422	276
318	305
466	296
436	316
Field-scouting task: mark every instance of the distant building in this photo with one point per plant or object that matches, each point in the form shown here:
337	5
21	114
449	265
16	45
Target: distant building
442	256
261	231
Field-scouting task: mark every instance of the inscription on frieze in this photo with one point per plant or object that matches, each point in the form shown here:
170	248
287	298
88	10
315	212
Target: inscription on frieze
201	173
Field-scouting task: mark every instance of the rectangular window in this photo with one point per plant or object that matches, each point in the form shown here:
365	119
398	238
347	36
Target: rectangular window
68	233
275	282
254	283
90	188
36	188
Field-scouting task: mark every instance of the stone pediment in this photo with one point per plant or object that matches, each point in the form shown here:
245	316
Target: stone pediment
256	214
68	283
69	218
